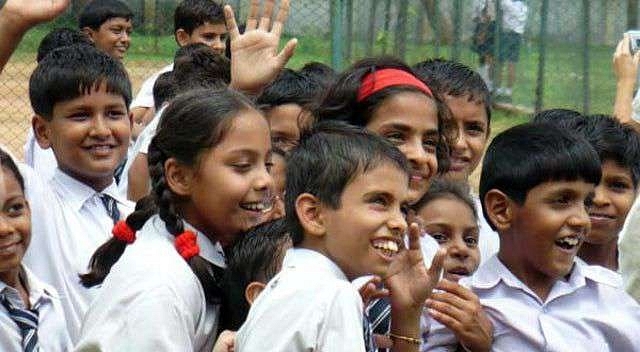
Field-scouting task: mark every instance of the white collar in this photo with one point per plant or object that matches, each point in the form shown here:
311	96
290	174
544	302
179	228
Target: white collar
77	193
38	291
302	257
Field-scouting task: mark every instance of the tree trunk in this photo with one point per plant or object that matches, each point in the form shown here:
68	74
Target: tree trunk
632	14
445	26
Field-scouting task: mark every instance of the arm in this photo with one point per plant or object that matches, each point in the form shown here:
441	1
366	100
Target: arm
138	178
625	67
17	16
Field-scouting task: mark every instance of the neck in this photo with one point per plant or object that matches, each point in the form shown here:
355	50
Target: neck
97	183
605	254
11	278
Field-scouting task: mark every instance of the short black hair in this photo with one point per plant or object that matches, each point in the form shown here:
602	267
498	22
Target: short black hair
453	78
323	74
191	14
530	154
200	67
255	256
163	89
331	155
61	37
69	72
290	87
558	116
7	162
442	187
97	12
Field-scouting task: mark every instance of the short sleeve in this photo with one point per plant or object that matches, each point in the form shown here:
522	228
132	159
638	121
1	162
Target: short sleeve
343	330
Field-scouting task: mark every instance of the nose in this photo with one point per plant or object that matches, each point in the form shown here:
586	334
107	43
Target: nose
125	37
600	198
461	141
415	153
579	220
458	249
397	223
218	44
100	127
263	180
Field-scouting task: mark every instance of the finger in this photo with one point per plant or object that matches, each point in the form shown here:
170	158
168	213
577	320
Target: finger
287	52
414	236
456	289
626	47
383	341
281	18
265	20
252	17
435	270
232	26
451	299
446	320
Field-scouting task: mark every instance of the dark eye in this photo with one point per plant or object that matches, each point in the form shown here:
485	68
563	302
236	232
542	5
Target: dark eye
475	129
471	241
395	137
269	165
80	116
619	186
115	114
430	145
16	210
438	236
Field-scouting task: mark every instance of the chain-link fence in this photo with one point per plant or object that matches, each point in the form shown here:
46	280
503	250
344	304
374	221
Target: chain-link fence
564	59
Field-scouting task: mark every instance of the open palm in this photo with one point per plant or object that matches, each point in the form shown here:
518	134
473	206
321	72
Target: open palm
32	12
255	60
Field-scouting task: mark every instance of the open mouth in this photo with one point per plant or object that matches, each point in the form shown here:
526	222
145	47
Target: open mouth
387	247
262	207
601	216
456	274
100	149
458	164
568	243
9	248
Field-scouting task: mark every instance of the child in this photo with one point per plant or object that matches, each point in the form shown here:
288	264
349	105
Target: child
31	314
42	160
386	97
195	21
469	101
79	96
108	23
253	261
535	186
448	214
514	19
209	169
619	149
286	102
278	172
345	222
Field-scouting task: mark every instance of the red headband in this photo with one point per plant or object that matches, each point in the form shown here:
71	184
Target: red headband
388	77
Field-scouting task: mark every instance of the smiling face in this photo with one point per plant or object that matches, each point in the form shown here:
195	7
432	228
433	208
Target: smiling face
285	122
410	121
545	233
89	135
472	124
613	199
211	35
113	37
15	223
365	232
232	188
452	224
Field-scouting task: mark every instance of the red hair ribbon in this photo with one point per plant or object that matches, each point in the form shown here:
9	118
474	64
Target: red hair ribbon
123	232
187	245
389	77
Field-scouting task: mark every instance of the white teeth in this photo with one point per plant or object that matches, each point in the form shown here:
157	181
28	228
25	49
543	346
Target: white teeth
569	241
263	207
386	245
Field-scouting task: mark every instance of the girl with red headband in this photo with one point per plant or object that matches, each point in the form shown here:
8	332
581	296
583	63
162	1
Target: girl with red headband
209	164
385	96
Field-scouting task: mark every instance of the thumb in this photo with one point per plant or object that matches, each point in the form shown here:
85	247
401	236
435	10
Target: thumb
287	52
437	263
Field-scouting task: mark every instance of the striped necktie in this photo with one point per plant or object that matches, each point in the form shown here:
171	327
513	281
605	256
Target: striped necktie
379	312
369	345
112	207
27	321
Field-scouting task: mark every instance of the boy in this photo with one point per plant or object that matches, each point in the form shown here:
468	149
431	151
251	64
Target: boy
514	19
252	261
79	96
108	24
345	222
536	183
195	21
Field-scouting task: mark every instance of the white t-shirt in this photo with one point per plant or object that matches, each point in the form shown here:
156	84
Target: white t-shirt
629	251
514	15
144	98
309	306
489	240
42	161
151	300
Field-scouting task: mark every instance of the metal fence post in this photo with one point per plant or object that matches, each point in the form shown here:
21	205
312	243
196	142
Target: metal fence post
371	30
387	25
337	30
457	28
542	48
349	29
585	56
401	30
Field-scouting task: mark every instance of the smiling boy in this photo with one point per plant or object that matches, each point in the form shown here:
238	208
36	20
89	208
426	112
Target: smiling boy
537	181
108	23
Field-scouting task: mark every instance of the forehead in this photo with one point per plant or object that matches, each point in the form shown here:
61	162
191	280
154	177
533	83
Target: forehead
612	167
118	21
410	110
97	97
447	209
549	188
464	108
9	186
247	130
211	28
384	177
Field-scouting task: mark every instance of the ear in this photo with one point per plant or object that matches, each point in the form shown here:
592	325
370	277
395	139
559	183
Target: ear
89	32
182	37
178	176
130	120
253	290
41	131
309	211
499	209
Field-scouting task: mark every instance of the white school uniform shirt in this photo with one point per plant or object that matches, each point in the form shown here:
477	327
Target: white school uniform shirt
42	161
69	222
629	249
309	306
151	300
588	312
488	240
144	98
514	15
52	329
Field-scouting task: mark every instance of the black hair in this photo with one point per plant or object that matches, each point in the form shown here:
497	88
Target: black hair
340	102
556	116
332	154
6	161
198	66
527	155
72	71
193	123
97	12
191	14
445	188
61	37
321	73
611	139
255	256
453	78
163	89
290	87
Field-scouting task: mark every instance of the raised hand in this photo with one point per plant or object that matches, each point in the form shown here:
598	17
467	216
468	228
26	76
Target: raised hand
459	309
27	13
255	60
625	64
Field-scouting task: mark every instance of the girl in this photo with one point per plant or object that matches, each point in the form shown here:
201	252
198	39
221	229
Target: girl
28	308
385	96
448	214
209	166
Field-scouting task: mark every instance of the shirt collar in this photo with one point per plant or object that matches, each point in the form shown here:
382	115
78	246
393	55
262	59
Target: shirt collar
302	257
77	193
38	291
